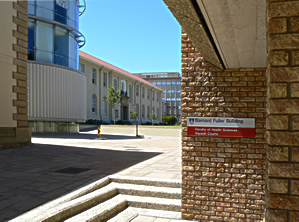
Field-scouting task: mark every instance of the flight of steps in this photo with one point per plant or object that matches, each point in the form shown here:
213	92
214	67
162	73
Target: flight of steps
113	199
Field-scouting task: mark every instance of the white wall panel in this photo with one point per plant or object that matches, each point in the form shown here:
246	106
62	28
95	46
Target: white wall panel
56	93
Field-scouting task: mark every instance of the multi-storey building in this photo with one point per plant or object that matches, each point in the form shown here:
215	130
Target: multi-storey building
137	95
57	89
170	82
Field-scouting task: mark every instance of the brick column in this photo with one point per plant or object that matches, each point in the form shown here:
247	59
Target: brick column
223	178
283	110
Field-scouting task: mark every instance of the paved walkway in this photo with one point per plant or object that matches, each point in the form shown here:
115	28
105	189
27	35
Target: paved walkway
59	163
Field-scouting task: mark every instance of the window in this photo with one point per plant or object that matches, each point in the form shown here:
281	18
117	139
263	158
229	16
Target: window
178	99
61	50
168	83
104	106
158	83
157	97
179	91
44	42
163	83
105	79
81	68
148	112
116	113
31	39
148	93
93	104
154	83
115	84
130	93
153	95
123	85
172	83
137	90
142	92
143	111
178	83
94	75
157	113
137	110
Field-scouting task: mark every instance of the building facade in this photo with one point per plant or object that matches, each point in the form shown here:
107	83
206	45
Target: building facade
170	82
56	89
137	95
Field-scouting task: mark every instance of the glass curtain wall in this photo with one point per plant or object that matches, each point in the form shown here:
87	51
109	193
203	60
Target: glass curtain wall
52	31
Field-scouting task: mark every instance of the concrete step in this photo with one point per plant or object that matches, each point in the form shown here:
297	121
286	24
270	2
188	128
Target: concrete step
109	197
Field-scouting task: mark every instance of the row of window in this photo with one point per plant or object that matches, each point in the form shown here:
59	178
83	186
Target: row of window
166	83
171	99
172	91
94	108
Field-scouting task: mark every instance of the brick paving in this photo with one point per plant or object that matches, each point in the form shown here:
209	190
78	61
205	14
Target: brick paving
29	177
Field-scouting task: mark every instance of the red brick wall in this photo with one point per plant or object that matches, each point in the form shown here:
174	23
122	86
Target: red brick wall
223	179
283	110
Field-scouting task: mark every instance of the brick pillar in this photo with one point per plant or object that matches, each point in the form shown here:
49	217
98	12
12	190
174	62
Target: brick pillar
283	111
223	178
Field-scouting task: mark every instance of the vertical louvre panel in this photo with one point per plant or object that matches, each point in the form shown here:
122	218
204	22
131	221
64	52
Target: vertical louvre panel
56	94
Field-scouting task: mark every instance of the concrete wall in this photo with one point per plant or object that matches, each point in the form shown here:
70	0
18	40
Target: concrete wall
283	111
223	178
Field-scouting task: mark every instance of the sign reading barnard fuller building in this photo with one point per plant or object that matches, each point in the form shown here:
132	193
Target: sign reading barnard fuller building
221	126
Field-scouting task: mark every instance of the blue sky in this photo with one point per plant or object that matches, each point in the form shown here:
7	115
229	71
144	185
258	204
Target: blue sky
135	35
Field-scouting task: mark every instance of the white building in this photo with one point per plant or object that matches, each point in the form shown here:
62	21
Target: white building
137	95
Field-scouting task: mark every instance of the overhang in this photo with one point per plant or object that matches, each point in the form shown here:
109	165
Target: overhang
228	33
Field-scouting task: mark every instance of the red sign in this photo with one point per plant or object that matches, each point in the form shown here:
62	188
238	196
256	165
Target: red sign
221	127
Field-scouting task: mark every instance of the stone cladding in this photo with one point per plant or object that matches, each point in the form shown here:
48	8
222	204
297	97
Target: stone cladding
223	178
283	111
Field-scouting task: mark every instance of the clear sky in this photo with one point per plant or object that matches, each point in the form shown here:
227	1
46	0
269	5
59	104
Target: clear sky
135	35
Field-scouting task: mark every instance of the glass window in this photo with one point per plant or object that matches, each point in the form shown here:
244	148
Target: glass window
94	76
179	91
163	99
168	99
60	11
172	83
123	85
158	83
61	47
130	93
178	83
137	110
93	104
72	14
31	39
163	83
153	95
148	93
45	9
31	7
73	52
44	42
116	113
82	68
142	92
154	83
168	83
105	79
143	111
104	106
148	112
115	84
137	90
172	99
178	99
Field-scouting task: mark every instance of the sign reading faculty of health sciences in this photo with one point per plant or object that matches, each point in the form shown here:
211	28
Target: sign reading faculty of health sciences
221	126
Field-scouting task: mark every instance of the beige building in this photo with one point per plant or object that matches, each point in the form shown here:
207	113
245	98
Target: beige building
137	95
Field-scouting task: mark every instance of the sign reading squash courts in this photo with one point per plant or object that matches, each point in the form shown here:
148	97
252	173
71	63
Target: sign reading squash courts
221	126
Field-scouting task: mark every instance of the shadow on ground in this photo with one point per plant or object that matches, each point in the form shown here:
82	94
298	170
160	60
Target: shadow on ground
33	175
82	136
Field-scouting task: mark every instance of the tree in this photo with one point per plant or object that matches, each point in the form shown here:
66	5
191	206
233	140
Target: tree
112	98
154	117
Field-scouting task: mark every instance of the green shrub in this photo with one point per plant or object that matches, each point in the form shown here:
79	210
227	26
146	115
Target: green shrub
169	120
